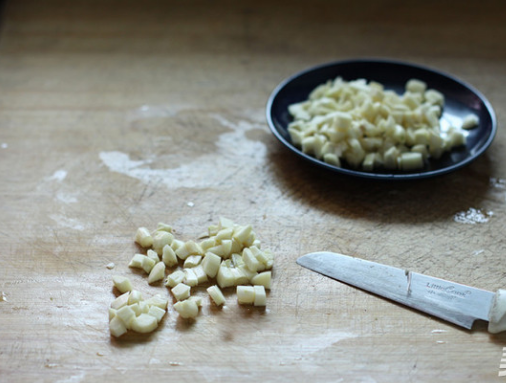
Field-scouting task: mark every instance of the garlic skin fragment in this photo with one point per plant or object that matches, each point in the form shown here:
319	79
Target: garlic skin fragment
216	295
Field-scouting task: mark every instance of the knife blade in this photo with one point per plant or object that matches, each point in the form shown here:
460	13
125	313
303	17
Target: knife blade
450	301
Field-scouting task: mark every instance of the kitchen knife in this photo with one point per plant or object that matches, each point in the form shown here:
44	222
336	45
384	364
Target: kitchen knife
453	302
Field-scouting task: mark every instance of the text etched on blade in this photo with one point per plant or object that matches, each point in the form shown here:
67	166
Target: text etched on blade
446	291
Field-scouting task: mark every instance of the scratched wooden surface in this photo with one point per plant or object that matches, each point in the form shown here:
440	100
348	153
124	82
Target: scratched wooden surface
119	114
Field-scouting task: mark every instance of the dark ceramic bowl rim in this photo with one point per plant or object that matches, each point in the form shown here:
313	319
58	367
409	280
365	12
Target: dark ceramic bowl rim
280	131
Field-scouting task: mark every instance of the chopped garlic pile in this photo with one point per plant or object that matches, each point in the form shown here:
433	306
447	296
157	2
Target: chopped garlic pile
130	311
370	127
228	255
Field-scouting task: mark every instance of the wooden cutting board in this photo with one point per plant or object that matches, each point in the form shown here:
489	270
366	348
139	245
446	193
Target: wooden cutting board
120	114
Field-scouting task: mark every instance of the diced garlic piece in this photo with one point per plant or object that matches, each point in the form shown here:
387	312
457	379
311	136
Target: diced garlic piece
187	309
134	297
422	149
250	260
192	261
332	159
216	295
136	307
213	230
434	97
112	313
245	295
136	261
456	137
436	145
421	136
176	244
151	254
123	284
158	301
224	222
120	301
223	249
148	264
242	233
368	164
247	272
416	86
144	323
260	296
126	314
470	121
157	273
200	274
262	279
237	259
164	227
156	312
206	244
143	237
189	248
196	299
411	161
116	327
143	307
225	278
211	264
190	278
174	278
169	256
225	233
181	291
240	278
390	158
160	239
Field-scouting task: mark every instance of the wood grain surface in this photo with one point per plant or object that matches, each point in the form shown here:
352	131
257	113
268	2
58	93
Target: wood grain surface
120	114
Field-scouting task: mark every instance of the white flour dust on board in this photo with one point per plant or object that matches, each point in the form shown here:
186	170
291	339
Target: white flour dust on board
472	216
229	144
67	222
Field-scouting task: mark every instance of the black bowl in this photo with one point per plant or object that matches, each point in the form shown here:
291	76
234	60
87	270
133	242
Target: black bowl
461	99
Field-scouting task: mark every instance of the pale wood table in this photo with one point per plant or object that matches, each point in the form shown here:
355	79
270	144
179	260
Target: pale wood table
120	114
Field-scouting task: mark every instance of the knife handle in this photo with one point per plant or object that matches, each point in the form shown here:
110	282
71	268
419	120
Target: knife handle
497	313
